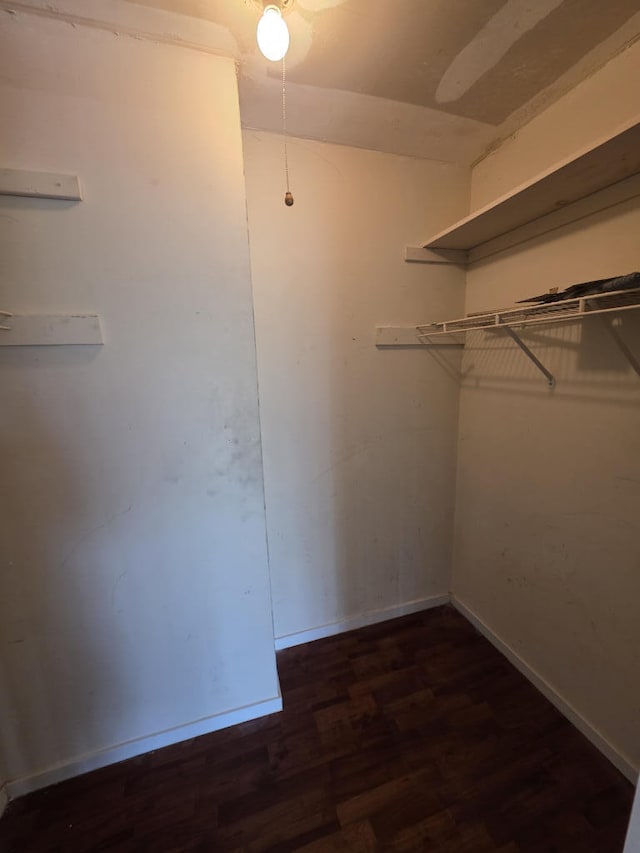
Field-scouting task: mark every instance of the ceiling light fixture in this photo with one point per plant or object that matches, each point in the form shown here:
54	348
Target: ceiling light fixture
273	34
273	41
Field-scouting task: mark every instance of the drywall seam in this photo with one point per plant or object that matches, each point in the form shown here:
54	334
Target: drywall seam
101	758
371	617
260	415
620	761
490	45
547	98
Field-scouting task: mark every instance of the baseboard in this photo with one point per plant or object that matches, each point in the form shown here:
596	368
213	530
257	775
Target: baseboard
575	718
371	617
112	755
4	799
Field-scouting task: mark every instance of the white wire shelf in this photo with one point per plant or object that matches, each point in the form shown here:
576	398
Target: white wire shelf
563	311
515	318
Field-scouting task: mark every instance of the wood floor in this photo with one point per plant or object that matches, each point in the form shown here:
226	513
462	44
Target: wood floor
413	735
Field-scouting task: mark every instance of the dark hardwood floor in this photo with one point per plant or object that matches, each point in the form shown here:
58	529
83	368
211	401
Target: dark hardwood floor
412	735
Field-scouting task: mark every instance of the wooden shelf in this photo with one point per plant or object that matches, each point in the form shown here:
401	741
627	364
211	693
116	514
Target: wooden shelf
561	188
19	182
43	330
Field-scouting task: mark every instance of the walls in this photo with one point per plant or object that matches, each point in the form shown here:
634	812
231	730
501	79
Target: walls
134	586
632	844
547	553
134	593
359	444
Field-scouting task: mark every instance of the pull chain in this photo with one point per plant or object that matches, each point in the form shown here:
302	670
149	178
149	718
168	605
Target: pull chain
288	198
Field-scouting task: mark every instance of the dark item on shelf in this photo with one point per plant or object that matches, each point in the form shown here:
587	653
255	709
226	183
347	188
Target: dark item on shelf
588	288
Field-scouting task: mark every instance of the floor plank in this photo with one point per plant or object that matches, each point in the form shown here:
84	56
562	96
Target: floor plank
411	735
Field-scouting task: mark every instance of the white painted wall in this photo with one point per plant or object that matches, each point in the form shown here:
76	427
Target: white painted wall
359	444
633	834
134	592
547	550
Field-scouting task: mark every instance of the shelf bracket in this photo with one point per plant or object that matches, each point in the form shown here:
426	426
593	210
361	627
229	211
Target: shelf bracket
610	324
420	255
525	349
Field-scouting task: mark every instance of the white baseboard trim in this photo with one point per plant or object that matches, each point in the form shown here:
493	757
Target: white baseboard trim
114	754
371	617
4	798
575	718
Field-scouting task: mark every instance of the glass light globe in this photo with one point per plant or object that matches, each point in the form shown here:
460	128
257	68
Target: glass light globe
273	34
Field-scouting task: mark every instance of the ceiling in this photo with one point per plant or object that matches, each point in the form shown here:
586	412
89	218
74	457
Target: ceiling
432	78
